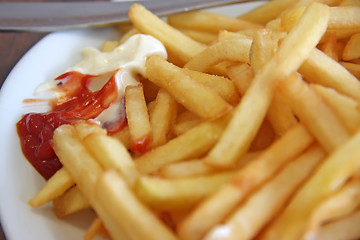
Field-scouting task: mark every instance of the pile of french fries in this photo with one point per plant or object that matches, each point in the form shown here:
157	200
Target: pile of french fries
250	130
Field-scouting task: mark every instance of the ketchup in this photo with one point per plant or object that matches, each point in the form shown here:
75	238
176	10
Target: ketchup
36	130
141	145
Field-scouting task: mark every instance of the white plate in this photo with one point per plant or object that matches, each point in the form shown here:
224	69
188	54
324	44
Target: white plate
18	180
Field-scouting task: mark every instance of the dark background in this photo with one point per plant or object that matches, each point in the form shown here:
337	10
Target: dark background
14	45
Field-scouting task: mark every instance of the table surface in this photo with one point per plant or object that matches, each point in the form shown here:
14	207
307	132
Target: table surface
13	46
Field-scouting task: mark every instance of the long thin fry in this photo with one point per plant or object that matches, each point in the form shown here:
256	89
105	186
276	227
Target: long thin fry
295	48
233	50
345	228
162	117
194	143
54	187
248	219
215	208
176	43
181	193
70	202
322	69
342	203
186	91
268	11
127	211
85	171
207	21
331	175
321	120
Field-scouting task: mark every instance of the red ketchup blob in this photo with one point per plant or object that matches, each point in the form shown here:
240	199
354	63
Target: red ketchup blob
36	130
141	145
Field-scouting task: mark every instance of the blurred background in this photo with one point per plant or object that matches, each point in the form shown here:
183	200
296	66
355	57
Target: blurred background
14	45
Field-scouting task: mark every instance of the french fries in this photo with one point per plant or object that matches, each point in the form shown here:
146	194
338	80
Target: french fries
340	165
162	117
249	218
127	211
183	89
178	194
179	46
138	119
210	22
54	187
237	138
233	50
215	208
266	148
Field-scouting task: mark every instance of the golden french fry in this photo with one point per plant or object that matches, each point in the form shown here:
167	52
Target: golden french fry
295	48
127	212
197	167
75	157
268	11
262	50
138	119
322	69
233	50
321	120
345	228
211	22
162	117
177	44
85	171
331	47
199	36
70	202
191	94
84	128
339	205
345	107
123	136
249	218
279	114
193	143
352	48
110	153
221	85
336	169
180	193
216	207
242	76
54	187
224	35
290	18
344	18
189	168
354	68
184	122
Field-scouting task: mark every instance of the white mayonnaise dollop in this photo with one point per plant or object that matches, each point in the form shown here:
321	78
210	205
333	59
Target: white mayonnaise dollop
127	60
129	57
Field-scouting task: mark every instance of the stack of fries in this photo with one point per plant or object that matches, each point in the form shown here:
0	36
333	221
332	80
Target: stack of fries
249	130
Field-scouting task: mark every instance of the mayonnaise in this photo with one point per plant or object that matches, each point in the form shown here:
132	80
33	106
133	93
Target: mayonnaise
130	57
126	61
